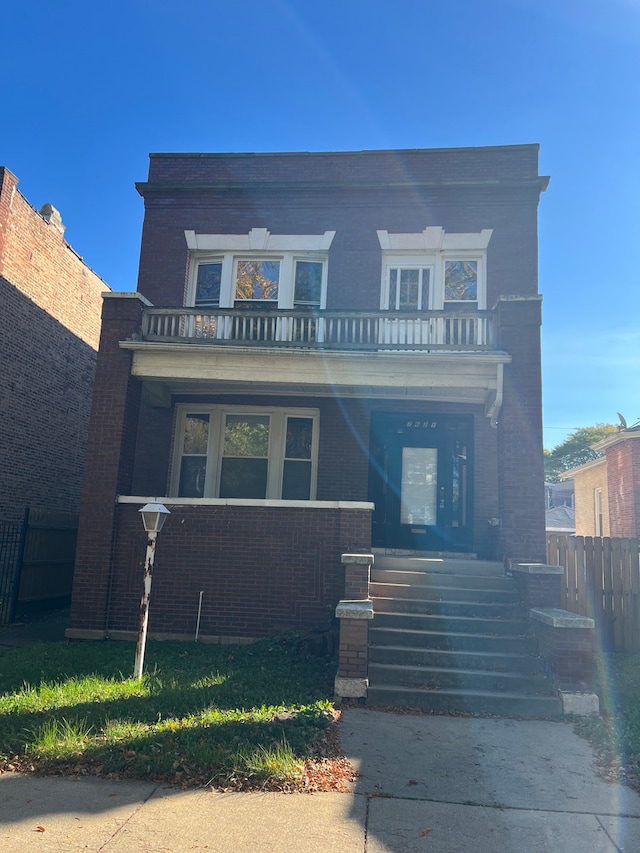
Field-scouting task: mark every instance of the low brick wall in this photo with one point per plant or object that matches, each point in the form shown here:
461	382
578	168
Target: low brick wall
261	569
566	643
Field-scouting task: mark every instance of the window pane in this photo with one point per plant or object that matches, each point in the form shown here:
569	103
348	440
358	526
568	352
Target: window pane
192	474
246	435
257	279
296	480
243	478
299	433
461	280
424	305
208	284
308	284
409	285
196	433
419	484
393	289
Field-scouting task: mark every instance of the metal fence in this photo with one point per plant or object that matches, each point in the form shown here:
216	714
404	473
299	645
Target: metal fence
36	561
12	538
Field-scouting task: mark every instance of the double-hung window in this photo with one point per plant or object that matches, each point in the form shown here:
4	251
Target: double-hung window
286	271
433	269
243	452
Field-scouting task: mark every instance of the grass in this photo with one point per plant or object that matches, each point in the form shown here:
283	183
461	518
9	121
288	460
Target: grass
235	717
616	733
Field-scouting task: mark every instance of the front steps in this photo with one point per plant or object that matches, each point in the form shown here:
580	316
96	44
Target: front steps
451	635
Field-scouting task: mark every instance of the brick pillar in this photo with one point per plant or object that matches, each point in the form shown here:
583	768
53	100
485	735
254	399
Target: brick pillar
538	584
520	457
109	463
566	642
354	613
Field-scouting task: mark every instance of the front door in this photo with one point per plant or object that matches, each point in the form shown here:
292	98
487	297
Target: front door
419	480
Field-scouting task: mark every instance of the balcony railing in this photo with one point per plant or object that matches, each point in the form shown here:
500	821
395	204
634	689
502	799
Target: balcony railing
343	330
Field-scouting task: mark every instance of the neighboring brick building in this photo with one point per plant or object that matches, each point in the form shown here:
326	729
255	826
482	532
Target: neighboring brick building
607	490
50	304
327	352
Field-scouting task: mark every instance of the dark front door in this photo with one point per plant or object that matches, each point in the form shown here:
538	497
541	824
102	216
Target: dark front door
420	471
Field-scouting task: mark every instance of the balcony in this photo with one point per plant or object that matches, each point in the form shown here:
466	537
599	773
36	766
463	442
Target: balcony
446	356
449	331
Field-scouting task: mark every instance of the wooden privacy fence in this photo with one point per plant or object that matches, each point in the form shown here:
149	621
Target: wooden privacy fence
601	580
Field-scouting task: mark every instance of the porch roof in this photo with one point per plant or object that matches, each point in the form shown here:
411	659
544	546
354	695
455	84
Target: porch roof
182	369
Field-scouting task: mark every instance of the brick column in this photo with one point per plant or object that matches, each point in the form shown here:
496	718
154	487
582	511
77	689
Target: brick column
354	613
520	458
566	642
109	463
538	584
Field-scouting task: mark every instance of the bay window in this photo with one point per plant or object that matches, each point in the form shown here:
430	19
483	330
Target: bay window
242	452
283	270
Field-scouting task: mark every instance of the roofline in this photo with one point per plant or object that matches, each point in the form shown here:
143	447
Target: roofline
594	463
215	154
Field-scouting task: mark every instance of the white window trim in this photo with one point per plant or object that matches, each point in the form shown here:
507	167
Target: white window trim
277	445
257	244
429	249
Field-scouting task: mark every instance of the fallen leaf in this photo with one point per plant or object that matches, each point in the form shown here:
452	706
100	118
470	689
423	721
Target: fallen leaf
40	828
425	832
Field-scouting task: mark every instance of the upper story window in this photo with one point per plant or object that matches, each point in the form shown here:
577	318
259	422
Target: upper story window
280	269
432	269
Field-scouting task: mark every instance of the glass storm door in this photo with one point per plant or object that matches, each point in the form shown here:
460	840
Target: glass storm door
419	480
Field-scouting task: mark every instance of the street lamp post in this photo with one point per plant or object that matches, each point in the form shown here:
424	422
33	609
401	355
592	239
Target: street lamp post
153	517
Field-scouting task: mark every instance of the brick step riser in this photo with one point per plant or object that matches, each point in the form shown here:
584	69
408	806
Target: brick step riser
524	664
442	580
453	642
425	678
451	624
438	701
468	609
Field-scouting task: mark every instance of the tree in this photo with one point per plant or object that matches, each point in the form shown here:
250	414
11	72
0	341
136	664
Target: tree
575	450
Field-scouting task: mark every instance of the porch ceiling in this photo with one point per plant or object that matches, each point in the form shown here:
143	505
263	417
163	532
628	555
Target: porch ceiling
456	377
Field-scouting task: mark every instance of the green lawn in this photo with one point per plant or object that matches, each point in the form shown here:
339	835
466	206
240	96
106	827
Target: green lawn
236	717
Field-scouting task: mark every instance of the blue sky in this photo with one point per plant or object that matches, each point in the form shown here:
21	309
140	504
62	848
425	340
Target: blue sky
90	89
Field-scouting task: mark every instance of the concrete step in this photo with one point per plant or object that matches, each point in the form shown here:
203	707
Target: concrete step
435	677
498	661
488	610
455	641
429	580
464	701
443	593
451	624
441	565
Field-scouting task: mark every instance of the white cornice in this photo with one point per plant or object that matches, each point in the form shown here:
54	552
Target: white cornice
259	240
434	239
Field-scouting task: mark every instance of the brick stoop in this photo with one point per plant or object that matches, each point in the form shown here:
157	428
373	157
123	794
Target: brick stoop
452	635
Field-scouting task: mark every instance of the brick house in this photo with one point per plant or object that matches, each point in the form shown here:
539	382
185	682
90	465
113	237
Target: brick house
607	489
326	352
49	332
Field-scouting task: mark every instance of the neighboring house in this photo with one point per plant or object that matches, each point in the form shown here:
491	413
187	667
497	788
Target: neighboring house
558	494
327	352
50	306
560	519
607	489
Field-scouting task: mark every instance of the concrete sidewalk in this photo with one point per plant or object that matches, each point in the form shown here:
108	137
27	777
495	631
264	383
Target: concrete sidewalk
428	784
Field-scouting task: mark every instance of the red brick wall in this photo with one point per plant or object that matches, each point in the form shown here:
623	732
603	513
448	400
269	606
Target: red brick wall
520	457
110	460
261	570
49	330
623	479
